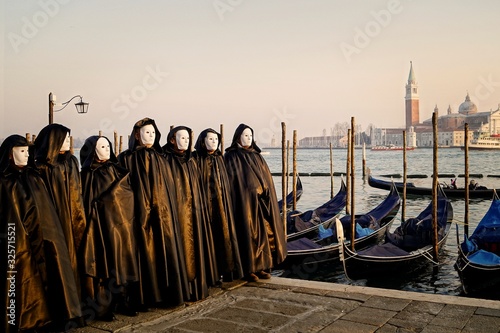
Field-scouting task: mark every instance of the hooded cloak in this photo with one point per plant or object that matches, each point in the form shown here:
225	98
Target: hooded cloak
197	242
108	244
219	207
45	289
60	172
259	227
160	256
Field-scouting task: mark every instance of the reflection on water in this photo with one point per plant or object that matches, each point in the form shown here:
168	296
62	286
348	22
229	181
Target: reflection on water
445	279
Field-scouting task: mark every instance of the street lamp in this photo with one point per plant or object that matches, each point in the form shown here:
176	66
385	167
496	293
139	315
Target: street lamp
81	107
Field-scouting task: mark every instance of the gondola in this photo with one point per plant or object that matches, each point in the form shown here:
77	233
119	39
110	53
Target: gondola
479	193
314	250
289	197
478	262
406	250
306	224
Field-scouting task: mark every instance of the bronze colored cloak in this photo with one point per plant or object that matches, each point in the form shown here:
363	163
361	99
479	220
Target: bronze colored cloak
45	285
219	207
160	256
260	230
201	266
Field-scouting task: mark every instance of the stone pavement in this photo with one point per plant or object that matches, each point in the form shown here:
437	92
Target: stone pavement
288	305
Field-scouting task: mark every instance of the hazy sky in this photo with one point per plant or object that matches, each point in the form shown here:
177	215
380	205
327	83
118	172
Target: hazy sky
200	63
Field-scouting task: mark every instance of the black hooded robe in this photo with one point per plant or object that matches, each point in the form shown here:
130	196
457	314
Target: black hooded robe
161	264
45	287
260	230
219	207
61	174
108	244
197	242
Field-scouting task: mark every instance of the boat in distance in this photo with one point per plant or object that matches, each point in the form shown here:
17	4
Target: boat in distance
491	142
479	193
390	147
478	261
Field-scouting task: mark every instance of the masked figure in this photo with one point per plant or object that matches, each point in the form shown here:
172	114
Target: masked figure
108	244
60	172
44	289
197	241
219	204
156	227
259	227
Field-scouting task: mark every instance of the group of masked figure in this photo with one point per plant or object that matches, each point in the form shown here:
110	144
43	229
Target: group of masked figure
154	226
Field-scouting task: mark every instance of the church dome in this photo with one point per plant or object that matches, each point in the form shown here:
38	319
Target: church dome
467	107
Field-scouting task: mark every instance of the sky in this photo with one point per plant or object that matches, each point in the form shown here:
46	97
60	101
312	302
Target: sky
203	63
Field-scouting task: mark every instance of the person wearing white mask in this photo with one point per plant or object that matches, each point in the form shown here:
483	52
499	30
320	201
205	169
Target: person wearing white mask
45	289
108	245
219	204
156	226
190	203
60	171
260	230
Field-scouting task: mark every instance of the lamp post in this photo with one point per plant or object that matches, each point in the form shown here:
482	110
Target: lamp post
81	107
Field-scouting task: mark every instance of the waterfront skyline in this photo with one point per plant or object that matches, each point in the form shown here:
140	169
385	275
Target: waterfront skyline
203	63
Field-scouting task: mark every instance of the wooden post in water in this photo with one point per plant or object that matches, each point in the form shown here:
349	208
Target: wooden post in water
283	173
71	150
403	210
120	148
294	178
331	171
115	140
221	138
287	164
364	161
353	191
348	175
28	137
435	185
100	133
466	179
33	138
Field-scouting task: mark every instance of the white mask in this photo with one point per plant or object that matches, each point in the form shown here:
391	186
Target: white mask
211	141
182	139
20	155
148	135
246	137
102	149
66	144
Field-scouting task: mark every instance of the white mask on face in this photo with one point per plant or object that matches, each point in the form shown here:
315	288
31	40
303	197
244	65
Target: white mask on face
102	149
182	139
66	144
20	155
211	141
246	138
148	135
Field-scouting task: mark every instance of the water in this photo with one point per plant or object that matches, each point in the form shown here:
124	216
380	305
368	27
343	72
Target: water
445	279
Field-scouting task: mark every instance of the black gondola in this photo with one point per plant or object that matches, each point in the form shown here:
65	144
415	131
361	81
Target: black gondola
406	250
289	197
480	193
478	262
313	250
306	224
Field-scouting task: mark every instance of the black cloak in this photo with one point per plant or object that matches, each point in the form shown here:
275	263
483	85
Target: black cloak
197	242
60	172
45	289
260	230
161	261
219	207
108	244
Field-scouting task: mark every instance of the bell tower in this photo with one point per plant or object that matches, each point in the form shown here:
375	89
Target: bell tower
412	101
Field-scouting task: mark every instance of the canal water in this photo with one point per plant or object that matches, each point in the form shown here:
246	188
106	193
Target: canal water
444	279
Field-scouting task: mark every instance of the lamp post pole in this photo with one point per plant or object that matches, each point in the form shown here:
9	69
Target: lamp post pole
51	109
